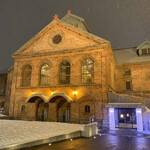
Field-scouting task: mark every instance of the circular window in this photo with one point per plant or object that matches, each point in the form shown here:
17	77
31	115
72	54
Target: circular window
57	39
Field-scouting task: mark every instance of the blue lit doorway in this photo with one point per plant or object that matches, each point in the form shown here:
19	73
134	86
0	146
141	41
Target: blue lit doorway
125	118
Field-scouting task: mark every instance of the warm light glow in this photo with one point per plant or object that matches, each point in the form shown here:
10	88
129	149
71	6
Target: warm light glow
52	93
75	92
121	116
127	115
33	93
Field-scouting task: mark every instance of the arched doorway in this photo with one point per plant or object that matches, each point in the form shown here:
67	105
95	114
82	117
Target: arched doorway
42	111
62	107
41	108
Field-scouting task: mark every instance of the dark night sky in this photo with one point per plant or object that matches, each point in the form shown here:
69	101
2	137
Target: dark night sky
125	23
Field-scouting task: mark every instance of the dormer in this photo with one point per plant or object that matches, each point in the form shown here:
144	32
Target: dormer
75	21
144	48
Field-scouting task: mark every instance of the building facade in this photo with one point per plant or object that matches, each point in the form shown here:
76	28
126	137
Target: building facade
66	74
3	80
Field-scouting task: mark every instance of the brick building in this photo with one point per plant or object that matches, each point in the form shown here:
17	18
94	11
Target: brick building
66	74
3	80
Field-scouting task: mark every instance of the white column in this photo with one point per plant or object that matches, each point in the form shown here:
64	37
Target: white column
139	119
111	118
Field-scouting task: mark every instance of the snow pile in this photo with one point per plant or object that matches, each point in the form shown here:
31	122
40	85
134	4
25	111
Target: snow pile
1	115
17	132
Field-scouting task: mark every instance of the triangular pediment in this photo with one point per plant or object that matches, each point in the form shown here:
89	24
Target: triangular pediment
70	39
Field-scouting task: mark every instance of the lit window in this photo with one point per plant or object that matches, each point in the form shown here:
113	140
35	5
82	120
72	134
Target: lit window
87	71
65	72
87	109
23	108
26	75
128	85
45	75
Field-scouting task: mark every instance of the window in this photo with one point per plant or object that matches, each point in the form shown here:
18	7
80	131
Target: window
87	109
26	76
128	72
23	108
128	85
87	71
145	51
45	75
65	72
57	39
148	50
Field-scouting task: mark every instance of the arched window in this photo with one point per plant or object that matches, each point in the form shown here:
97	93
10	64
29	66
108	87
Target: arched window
45	75
23	108
26	75
87	71
87	109
65	72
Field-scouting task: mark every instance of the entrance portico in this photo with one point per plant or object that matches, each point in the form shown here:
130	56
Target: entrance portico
124	113
55	108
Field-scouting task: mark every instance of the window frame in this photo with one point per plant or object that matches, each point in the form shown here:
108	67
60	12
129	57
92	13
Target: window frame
128	84
23	108
23	78
85	75
87	109
48	83
66	74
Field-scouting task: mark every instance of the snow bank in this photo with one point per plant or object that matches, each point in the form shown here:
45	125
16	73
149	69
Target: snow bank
17	132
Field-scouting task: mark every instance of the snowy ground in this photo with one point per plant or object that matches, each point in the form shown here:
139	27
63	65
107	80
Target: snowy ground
17	132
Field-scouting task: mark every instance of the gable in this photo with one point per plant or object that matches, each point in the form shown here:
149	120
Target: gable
144	49
72	39
145	44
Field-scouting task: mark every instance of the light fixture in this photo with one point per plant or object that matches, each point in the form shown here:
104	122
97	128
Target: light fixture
52	93
121	116
111	110
138	110
75	92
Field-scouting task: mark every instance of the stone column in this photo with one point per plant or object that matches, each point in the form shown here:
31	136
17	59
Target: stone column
111	118
52	113
139	119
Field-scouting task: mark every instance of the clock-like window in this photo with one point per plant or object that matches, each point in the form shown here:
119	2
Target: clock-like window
57	39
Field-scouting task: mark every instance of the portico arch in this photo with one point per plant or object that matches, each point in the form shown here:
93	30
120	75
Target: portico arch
34	97
60	104
41	106
68	98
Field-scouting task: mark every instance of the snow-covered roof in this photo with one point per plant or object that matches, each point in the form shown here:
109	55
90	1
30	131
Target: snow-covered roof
145	44
129	55
4	71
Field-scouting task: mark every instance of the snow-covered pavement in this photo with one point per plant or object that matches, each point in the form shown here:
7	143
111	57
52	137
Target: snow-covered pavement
18	132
